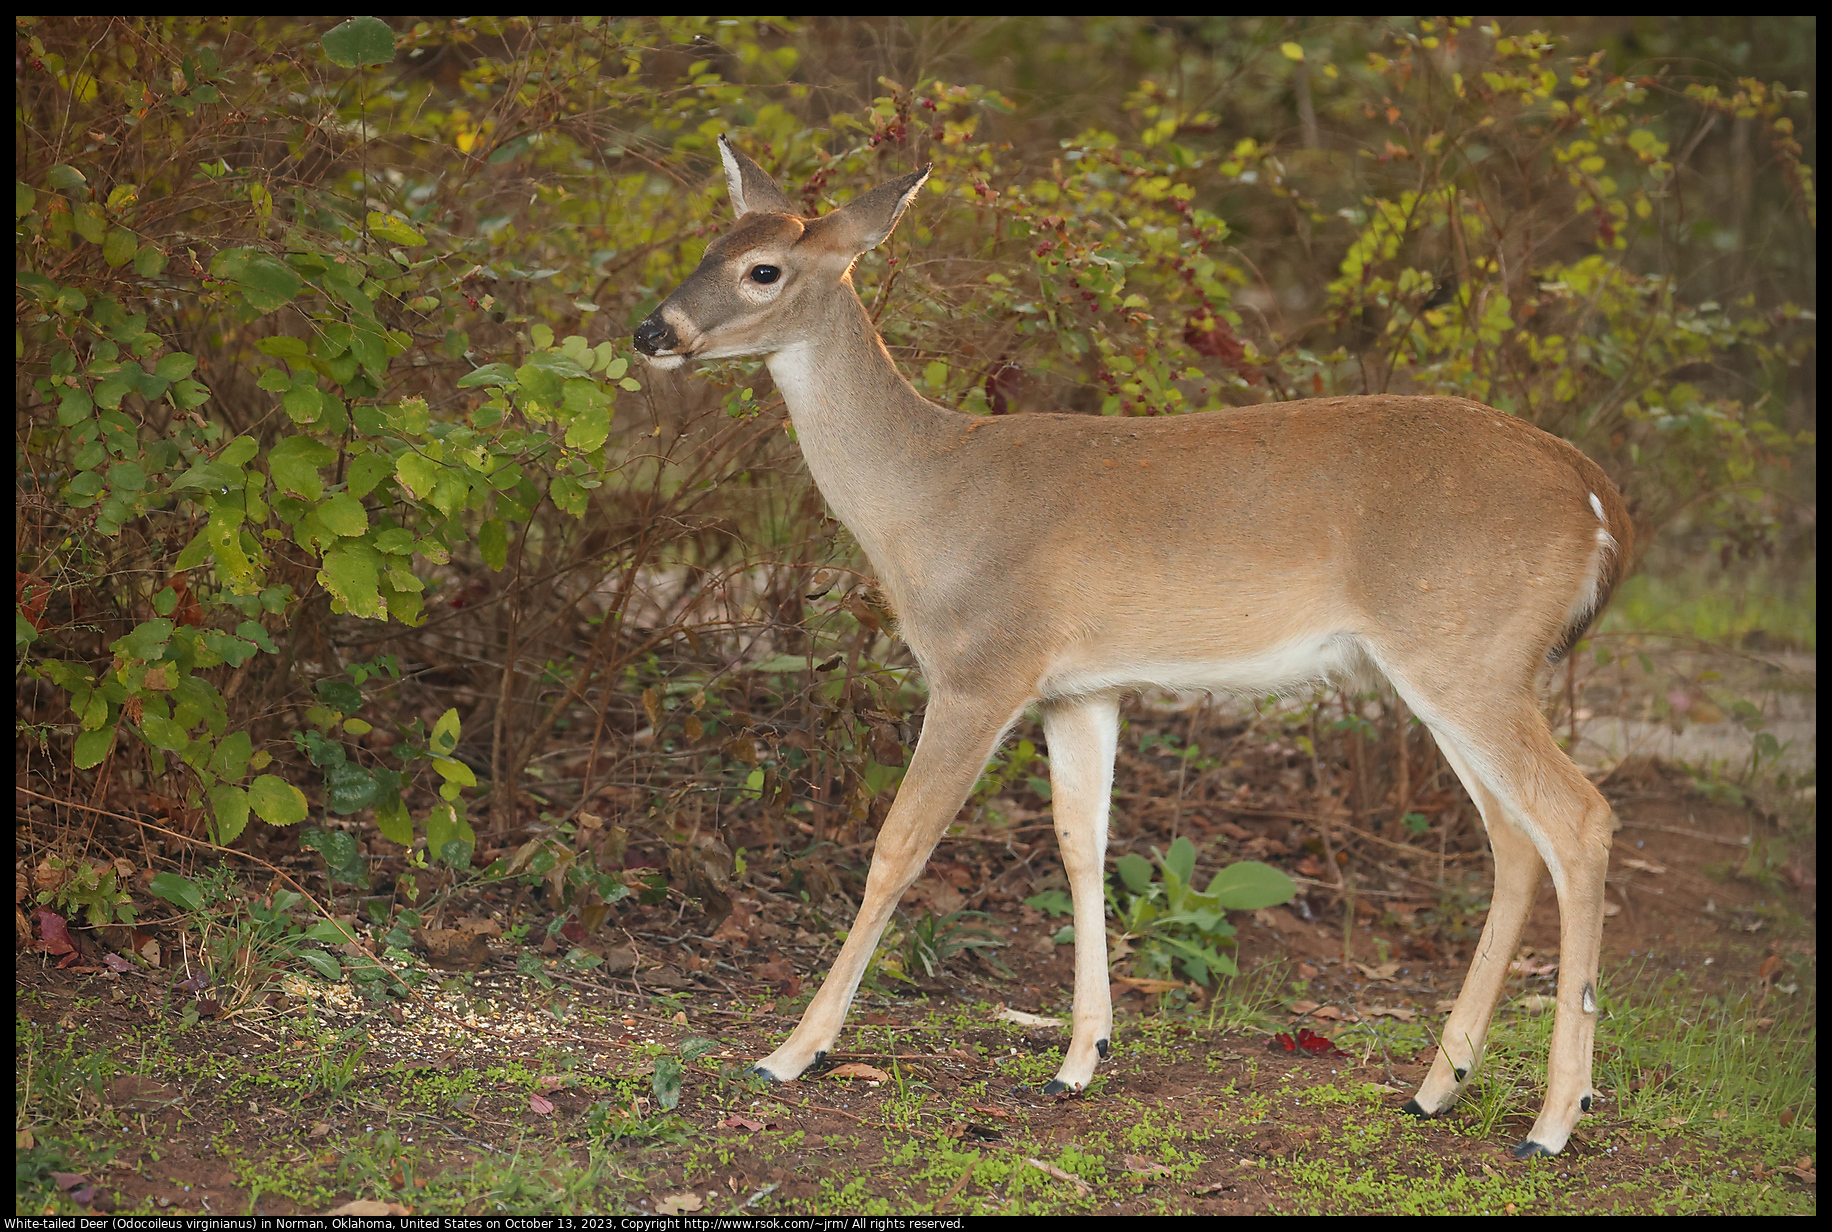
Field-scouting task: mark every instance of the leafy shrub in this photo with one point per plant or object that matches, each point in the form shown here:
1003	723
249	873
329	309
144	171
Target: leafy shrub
1166	921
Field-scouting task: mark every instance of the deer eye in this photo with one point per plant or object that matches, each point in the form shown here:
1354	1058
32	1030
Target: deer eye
766	274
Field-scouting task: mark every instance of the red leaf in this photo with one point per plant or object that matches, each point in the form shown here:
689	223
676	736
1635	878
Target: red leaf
54	934
541	1106
735	1121
1307	1041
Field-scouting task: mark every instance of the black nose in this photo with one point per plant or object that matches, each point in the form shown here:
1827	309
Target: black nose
654	335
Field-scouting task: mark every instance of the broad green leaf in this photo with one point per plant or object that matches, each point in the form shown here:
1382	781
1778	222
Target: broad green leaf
455	772
589	430
1250	885
294	465
350	573
149	262
322	963
68	179
89	221
119	246
276	801
147	641
359	43
303	404
230	805
366	471
176	366
284	346
666	1082
493	543
1135	871
179	891
257	633
239	451
392	230
92	747
344	514
445	734
24	198
1181	859
164	733
348	788
230	760
418	473
393	820
489	374
267	283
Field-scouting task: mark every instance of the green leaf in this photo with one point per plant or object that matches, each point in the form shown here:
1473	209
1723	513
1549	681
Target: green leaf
1181	859
1051	902
239	451
284	346
255	632
90	222
393	820
176	366
1135	871
1250	885
489	374
147	641
24	198
393	230
344	514
303	404
176	890
230	804
351	573
164	733
118	248
348	788
322	963
455	772
267	284
445	734
294	465
493	544
68	179
179	891
666	1082
359	43
92	747
276	801
230	760
418	473
366	471
149	262
74	406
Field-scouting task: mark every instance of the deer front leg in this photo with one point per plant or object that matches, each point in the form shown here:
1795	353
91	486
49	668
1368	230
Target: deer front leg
958	735
1082	735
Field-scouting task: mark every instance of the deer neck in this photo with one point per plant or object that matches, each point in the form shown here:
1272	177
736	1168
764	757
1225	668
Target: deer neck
871	441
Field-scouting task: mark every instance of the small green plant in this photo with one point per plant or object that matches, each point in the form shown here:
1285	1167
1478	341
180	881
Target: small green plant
933	940
90	888
1167	922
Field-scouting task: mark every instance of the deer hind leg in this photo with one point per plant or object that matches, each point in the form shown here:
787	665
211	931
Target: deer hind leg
958	735
1083	734
1518	870
1567	821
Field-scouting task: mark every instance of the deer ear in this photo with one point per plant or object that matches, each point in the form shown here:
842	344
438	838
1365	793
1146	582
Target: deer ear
865	222
753	191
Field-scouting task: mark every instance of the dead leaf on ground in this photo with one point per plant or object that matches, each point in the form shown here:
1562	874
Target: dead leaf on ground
679	1204
1385	971
736	1121
1399	1012
541	1106
369	1206
858	1069
1138	1165
457	949
1082	1188
1145	986
1330	1013
1022	1019
1305	1007
1643	866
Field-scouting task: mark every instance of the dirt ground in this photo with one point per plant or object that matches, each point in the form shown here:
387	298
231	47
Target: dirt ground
496	1088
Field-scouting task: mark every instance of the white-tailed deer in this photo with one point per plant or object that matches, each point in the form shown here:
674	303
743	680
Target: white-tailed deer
1061	559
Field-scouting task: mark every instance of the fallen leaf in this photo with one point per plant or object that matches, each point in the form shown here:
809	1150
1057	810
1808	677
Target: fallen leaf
68	1180
115	963
1305	1007
1138	1165
858	1069
1306	971
1399	1012
1643	866
1081	1187
552	1082
53	933
1537	1003
1328	1013
997	1114
319	1130
735	1121
680	1018
1610	908
1526	966
369	1206
1307	1041
1385	971
542	1107
1022	1019
1770	965
678	1204
1138	985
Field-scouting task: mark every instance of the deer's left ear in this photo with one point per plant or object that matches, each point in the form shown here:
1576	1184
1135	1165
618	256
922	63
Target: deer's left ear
752	190
865	222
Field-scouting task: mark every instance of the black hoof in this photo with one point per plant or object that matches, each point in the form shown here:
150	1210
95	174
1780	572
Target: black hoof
1412	1109
757	1071
1102	1047
1584	1103
1526	1148
1460	1073
1056	1086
